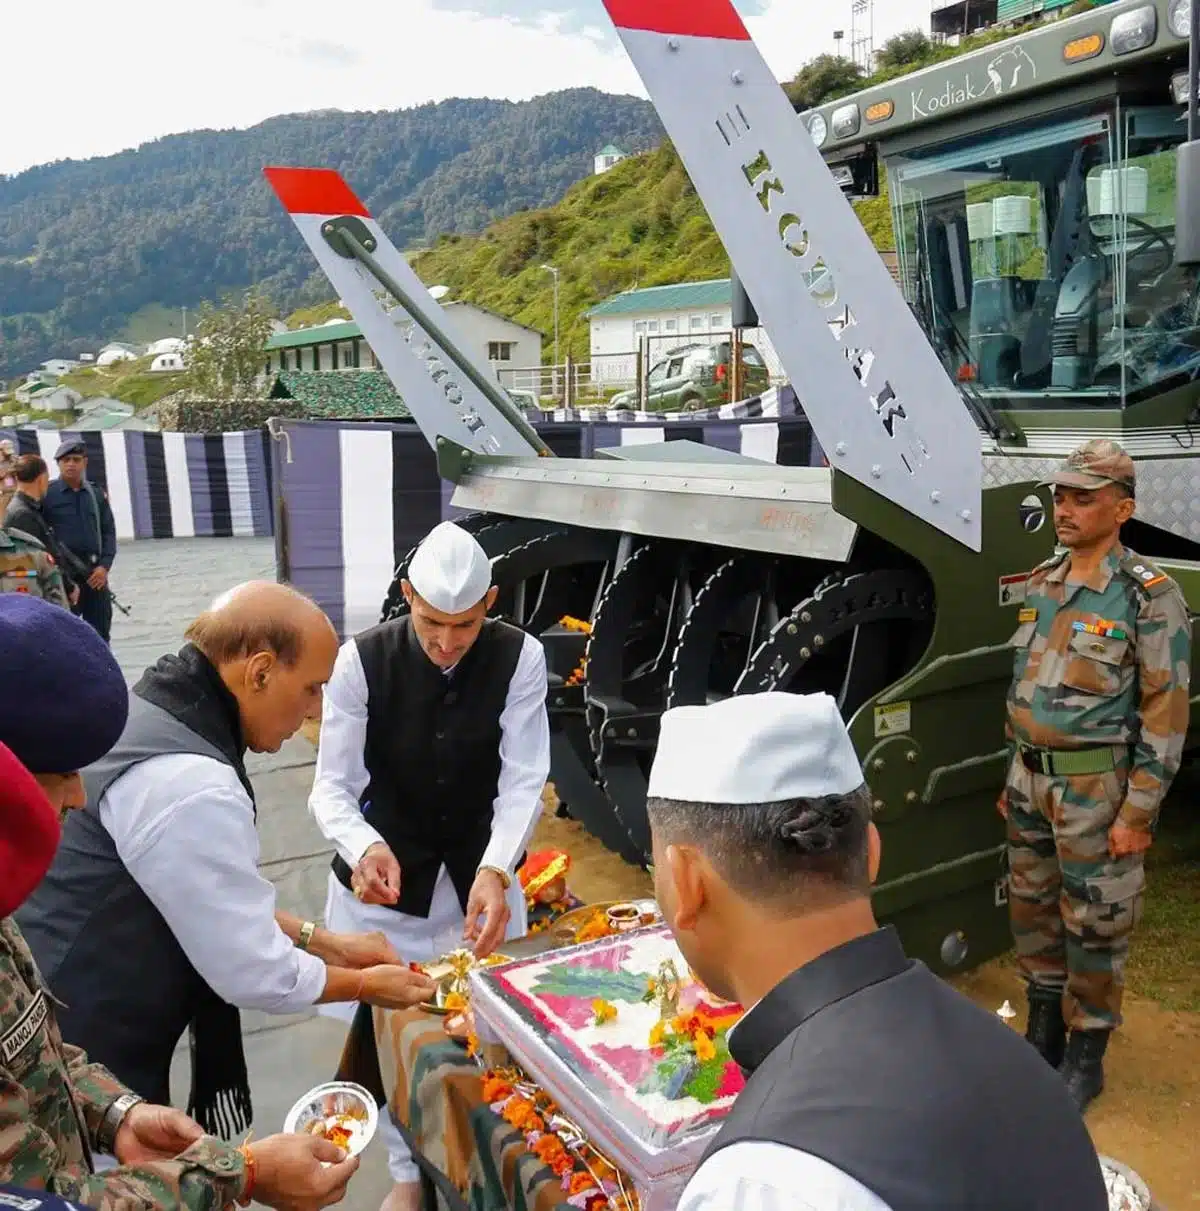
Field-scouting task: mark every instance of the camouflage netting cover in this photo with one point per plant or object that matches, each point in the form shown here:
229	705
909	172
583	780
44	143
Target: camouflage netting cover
294	395
341	394
224	416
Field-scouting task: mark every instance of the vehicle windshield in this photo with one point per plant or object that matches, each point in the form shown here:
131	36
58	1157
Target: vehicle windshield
1040	262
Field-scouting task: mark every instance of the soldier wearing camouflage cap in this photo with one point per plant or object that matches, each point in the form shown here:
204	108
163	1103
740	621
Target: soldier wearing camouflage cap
1097	714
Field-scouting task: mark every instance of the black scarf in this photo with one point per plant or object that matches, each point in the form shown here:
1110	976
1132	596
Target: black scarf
188	687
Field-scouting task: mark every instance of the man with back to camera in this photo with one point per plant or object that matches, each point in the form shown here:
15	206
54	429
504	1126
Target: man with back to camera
872	1085
434	750
154	918
79	514
1098	713
57	1109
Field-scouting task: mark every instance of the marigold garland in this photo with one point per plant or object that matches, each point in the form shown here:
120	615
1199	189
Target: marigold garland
595	1187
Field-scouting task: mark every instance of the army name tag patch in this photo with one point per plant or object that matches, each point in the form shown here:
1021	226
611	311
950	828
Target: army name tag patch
25	1029
1027	615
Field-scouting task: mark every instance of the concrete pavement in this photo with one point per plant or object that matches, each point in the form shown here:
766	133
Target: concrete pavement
165	584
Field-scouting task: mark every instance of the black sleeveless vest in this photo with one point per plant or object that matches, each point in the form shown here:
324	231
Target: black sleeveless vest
99	940
867	1060
128	989
433	754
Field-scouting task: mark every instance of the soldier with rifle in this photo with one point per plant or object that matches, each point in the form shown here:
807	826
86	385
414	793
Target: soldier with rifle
79	514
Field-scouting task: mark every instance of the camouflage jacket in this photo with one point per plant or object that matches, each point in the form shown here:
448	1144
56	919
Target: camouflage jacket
1106	660
27	567
52	1102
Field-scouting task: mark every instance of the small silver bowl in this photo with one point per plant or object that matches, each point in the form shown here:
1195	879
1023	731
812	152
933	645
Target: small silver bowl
333	1106
1139	1190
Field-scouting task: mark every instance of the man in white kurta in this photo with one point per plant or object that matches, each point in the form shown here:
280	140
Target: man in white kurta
433	754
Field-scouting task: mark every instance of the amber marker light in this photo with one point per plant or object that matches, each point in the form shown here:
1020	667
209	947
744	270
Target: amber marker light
1079	49
880	111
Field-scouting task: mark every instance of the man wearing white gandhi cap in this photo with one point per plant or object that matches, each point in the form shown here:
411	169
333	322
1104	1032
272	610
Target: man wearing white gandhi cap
434	749
871	1085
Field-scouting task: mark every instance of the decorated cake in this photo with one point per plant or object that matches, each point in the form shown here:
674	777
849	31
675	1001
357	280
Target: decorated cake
623	1017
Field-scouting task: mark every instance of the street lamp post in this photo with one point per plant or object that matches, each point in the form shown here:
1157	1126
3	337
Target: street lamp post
553	270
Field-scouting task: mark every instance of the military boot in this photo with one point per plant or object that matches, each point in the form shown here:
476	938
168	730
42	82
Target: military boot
1083	1067
1047	1031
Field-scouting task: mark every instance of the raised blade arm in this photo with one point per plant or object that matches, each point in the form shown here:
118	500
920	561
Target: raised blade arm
448	395
879	401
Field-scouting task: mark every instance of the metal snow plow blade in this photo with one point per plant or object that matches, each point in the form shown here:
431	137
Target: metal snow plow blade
673	490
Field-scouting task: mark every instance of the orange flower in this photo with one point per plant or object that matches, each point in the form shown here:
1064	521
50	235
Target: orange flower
549	1149
705	1048
454	1000
594	927
495	1089
658	1034
604	1011
519	1112
580	1182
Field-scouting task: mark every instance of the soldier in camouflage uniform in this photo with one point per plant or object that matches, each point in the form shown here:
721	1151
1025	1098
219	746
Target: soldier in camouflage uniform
27	567
1097	714
56	1108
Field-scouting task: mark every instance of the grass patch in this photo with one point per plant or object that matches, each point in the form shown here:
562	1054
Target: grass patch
1164	956
130	382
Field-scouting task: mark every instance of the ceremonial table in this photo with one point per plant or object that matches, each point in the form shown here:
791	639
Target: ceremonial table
470	1158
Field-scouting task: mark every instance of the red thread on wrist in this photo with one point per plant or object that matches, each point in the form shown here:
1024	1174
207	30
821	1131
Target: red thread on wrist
251	1174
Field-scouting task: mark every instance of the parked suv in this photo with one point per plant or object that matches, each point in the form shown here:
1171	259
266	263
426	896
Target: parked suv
694	377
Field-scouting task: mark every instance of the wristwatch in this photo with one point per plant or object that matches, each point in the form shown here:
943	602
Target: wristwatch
110	1124
306	934
505	877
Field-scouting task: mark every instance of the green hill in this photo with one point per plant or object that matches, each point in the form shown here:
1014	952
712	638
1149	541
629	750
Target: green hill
91	248
640	224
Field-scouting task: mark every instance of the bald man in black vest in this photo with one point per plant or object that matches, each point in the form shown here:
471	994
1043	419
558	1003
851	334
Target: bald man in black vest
871	1084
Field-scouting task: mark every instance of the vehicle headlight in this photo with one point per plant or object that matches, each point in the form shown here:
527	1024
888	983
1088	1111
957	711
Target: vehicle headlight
845	121
1134	30
1179	17
818	129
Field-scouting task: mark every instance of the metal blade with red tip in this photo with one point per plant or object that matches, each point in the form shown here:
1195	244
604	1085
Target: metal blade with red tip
880	402
442	400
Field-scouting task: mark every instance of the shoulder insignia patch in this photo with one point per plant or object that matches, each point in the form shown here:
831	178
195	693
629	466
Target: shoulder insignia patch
1052	562
24	1030
1148	578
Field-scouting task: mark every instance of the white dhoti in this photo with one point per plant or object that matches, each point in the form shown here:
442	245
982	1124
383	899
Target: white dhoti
417	940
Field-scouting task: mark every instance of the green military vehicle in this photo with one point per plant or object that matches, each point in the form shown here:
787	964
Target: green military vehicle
698	376
1034	187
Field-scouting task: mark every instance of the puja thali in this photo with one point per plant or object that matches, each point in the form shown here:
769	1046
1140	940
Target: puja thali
592	921
339	1111
450	974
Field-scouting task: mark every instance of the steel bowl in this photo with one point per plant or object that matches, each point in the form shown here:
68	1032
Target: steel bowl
336	1103
1140	1190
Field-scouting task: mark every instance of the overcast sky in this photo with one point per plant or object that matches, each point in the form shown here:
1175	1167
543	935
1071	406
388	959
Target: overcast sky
86	79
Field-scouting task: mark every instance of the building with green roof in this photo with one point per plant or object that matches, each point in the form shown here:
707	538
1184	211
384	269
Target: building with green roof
340	345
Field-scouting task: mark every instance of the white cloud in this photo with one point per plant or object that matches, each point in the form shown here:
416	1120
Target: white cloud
100	78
